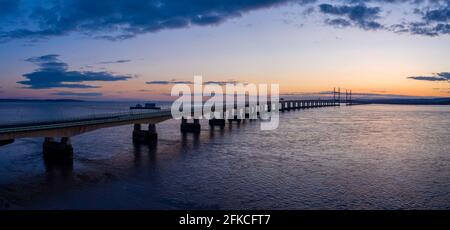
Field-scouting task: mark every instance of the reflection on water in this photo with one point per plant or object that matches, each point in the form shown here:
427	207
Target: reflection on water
58	170
361	157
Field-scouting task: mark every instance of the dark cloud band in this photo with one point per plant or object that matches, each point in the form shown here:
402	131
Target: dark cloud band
443	76
124	19
173	81
77	94
52	73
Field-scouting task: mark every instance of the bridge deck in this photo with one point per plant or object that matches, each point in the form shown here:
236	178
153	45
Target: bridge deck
82	121
76	126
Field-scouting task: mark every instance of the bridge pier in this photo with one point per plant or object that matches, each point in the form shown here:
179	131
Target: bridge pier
190	127
235	115
235	119
247	111
54	148
145	136
217	122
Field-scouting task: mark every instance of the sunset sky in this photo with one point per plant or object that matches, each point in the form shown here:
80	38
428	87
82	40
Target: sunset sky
136	49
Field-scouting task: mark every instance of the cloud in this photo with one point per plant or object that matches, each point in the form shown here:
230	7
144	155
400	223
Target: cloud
145	90
439	15
125	19
53	73
116	62
443	76
421	28
435	20
171	82
361	15
338	22
174	81
70	93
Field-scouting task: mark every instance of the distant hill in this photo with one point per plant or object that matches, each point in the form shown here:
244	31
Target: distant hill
39	100
406	101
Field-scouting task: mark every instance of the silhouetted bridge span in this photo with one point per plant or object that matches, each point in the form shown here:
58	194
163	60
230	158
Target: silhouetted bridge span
67	128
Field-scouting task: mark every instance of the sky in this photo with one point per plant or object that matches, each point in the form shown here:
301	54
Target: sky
137	49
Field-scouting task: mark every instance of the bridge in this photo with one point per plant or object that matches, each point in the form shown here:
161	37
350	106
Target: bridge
65	129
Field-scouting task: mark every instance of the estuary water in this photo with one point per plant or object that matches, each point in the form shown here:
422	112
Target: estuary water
347	157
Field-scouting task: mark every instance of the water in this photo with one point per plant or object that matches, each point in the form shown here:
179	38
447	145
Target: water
360	157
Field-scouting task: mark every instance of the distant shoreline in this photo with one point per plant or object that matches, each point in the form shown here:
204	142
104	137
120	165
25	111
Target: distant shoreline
403	101
392	101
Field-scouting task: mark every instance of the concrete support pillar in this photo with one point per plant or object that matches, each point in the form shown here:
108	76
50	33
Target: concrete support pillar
235	119
152	128
145	136
247	114
66	141
217	122
59	149
186	127
250	112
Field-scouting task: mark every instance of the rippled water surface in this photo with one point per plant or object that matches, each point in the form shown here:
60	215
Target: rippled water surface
360	157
